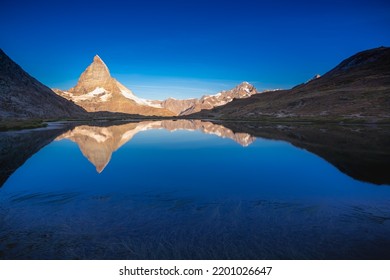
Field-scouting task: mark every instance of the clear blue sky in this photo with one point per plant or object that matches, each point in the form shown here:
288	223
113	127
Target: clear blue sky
189	48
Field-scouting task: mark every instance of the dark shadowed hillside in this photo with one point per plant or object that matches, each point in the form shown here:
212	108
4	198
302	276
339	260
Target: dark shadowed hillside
22	96
359	87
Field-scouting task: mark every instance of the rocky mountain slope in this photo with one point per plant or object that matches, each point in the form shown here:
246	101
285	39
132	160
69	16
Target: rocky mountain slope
359	87
207	102
22	96
97	91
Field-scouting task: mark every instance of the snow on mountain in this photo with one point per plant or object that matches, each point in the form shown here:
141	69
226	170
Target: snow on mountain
96	90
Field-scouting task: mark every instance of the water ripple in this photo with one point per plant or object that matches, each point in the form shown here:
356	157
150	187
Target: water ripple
44	198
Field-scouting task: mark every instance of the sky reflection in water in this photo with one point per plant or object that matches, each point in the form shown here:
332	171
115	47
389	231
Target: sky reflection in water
187	194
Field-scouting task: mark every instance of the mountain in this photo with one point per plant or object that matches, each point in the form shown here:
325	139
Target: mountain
22	96
207	102
359	87
97	143
96	91
178	106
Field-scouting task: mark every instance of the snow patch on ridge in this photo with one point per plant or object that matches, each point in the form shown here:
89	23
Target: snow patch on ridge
98	92
130	95
216	95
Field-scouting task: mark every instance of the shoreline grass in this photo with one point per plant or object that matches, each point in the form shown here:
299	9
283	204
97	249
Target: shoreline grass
21	124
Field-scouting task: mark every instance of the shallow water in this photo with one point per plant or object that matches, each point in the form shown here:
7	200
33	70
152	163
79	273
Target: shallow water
189	190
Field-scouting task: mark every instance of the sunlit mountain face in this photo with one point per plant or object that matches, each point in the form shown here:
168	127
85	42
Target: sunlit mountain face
96	90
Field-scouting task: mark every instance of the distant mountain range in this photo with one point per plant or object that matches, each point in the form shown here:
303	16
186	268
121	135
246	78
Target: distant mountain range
358	88
207	102
96	91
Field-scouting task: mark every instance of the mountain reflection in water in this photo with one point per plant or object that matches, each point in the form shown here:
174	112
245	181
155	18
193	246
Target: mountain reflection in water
266	191
97	143
362	152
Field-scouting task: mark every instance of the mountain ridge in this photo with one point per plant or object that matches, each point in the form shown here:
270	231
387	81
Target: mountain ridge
358	88
96	90
190	106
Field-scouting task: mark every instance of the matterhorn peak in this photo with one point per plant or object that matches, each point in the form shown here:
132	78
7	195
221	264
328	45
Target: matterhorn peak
96	90
99	61
96	75
97	57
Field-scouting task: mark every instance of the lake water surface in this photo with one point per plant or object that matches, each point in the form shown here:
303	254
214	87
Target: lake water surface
195	190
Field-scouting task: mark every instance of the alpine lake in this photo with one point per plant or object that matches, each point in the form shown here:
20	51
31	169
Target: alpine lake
192	189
